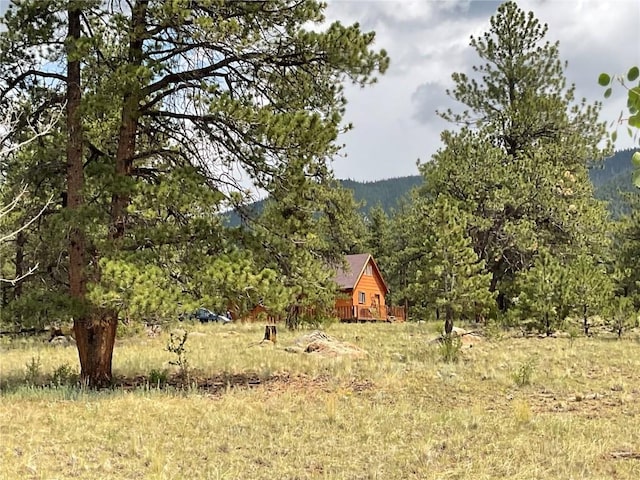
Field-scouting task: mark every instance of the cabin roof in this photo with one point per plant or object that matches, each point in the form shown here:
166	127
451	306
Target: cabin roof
347	278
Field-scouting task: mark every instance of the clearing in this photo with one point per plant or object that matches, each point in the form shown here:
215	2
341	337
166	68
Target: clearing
518	408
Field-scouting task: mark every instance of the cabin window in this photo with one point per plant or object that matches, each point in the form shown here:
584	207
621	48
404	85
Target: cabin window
361	298
368	270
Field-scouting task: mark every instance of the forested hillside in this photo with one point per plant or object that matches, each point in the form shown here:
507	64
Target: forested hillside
613	178
385	193
610	179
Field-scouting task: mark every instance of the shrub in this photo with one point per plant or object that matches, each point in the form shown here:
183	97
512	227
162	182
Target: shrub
450	347
177	346
33	375
523	374
158	378
64	376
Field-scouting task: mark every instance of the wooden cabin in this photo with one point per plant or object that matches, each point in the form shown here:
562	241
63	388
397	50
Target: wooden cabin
363	292
362	295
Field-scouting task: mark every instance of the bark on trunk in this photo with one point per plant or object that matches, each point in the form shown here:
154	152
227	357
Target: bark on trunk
95	338
75	172
293	317
270	333
93	370
128	123
96	332
21	239
547	324
448	321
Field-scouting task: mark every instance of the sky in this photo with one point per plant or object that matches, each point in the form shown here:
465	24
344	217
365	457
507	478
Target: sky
427	40
395	123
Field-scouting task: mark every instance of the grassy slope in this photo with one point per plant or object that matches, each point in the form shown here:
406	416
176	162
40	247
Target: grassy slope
401	413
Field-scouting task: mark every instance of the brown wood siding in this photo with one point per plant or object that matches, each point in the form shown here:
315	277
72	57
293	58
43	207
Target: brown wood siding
371	285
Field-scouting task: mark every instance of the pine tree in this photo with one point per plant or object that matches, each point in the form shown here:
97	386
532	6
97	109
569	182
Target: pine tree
308	224
590	288
518	165
166	94
404	257
378	237
625	250
622	315
449	274
24	208
544	297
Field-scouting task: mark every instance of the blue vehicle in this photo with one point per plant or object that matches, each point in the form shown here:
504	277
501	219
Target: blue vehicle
204	316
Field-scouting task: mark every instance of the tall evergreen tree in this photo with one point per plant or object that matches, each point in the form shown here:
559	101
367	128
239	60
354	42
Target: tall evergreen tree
590	287
518	165
544	298
305	231
448	273
378	237
404	255
156	89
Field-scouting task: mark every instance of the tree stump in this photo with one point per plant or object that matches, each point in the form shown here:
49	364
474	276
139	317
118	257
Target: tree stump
270	333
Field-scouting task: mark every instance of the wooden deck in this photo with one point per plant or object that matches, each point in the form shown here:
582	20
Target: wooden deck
367	314
347	314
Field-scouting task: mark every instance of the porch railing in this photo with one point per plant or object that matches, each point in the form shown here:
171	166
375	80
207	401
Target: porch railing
349	314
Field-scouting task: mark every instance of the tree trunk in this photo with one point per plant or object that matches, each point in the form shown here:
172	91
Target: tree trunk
96	332
547	324
75	172
448	321
293	317
86	335
95	338
5	295
270	334
21	239
585	320
128	123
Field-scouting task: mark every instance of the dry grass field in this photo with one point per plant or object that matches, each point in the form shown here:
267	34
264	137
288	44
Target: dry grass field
516	408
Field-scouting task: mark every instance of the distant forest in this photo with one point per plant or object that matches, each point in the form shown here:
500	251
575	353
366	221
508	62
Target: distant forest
611	179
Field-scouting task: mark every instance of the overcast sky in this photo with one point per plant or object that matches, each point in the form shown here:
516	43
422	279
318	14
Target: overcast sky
395	121
427	40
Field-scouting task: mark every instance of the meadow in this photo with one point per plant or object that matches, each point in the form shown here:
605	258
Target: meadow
511	407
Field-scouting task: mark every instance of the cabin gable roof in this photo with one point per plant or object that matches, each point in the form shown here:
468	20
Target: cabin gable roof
347	278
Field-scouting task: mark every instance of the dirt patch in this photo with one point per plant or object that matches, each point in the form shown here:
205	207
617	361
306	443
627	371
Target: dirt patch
319	343
601	404
220	384
625	454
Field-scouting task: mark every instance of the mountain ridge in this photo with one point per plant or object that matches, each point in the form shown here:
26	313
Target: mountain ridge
611	179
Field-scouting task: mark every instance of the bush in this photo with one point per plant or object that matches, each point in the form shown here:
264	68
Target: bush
158	378
33	375
523	374
64	376
450	347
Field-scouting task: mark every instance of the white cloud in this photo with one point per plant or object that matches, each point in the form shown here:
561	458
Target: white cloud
395	121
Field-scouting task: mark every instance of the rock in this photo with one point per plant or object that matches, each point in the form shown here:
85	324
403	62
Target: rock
320	343
458	332
153	330
471	339
294	349
62	340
